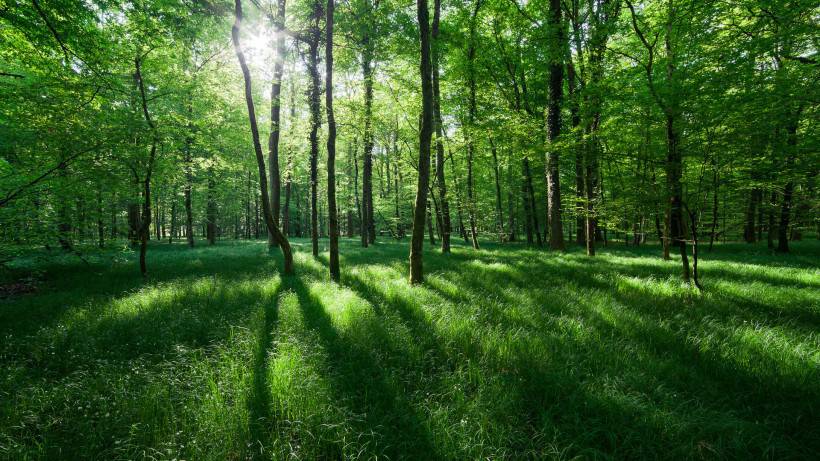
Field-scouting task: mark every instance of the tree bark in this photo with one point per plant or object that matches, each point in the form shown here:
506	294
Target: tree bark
440	178
788	191
425	135
471	119
275	118
333	219
556	76
499	214
189	214
284	245
315	121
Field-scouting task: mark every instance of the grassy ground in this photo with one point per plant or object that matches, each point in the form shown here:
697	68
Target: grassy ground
504	353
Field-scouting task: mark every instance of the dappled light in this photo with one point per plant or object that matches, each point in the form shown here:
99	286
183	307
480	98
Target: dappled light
523	355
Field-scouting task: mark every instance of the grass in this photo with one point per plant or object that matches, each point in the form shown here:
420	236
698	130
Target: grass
506	352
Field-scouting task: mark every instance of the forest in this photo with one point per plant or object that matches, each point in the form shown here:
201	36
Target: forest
381	229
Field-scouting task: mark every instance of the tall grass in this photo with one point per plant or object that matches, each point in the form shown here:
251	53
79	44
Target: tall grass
507	352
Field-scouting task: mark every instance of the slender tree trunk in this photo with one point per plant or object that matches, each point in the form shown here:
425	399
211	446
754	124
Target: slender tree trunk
525	196
440	178
315	115
715	192
359	211
471	119
749	234
788	191
145	221
286	208
284	245
499	214
333	219
173	233
461	229
368	224
100	226
189	179
397	179
531	192
430	231
210	218
425	135
275	118
511	237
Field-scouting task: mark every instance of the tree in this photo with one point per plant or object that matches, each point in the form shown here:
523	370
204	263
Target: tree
425	137
333	220
284	245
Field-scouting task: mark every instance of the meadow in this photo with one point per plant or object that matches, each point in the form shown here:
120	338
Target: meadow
505	353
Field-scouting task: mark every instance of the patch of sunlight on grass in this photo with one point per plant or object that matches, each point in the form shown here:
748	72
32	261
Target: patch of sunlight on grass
651	286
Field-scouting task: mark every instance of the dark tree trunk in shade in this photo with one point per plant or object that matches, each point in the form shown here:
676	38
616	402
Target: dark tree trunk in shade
440	178
333	219
284	245
525	199
145	219
425	136
499	214
471	120
189	178
315	121
430	231
556	77
275	117
288	192
788	190
531	196
210	212
459	207
368	220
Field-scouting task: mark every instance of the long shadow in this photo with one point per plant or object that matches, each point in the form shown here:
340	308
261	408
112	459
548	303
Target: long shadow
261	419
359	379
68	287
709	375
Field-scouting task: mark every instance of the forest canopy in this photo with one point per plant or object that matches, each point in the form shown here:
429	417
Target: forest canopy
549	121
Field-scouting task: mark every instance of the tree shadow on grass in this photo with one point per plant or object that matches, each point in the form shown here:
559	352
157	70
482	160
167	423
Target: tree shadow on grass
73	287
663	326
261	420
358	379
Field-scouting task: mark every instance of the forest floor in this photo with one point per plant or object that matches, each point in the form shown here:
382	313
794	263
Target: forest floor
506	352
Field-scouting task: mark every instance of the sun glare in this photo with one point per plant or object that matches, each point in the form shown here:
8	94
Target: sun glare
259	48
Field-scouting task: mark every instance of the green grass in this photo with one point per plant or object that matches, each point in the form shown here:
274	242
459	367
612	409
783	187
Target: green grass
506	352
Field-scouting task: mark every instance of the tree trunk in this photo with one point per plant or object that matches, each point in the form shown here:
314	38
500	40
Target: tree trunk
189	179
333	219
425	135
145	220
286	208
556	77
275	119
315	114
749	234
525	195
788	191
430	231
531	193
284	245
368	225
173	233
100	226
461	229
499	215
471	116
210	212
440	178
